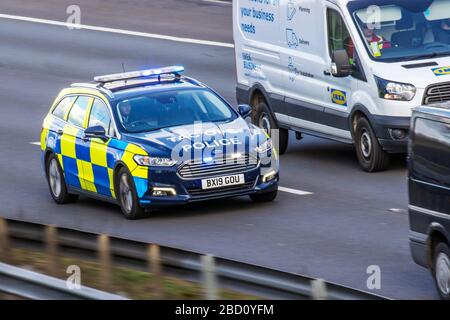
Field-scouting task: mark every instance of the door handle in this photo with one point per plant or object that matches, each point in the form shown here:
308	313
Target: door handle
60	132
327	73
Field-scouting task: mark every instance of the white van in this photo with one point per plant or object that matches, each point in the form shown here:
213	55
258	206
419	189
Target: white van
350	71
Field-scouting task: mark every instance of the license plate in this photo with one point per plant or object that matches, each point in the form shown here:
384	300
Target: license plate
225	181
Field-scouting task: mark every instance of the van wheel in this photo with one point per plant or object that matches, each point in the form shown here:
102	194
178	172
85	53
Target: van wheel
263	119
441	270
371	155
127	196
57	183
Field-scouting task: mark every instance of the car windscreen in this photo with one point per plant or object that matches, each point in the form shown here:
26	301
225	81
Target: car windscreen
160	110
399	30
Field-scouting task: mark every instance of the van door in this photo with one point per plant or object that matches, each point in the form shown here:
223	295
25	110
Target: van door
337	94
302	58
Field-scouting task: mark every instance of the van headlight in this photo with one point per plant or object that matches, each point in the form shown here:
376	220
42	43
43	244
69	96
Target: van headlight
398	91
266	146
154	161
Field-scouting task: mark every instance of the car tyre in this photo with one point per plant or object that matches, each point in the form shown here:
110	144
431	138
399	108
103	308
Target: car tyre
127	196
441	270
263	119
264	197
57	183
371	155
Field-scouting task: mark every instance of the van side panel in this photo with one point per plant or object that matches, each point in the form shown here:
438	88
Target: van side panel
256	36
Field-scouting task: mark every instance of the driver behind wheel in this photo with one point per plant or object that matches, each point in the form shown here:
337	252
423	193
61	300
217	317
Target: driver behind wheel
125	112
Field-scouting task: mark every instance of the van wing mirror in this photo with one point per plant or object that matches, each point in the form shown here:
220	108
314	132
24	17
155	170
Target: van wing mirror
95	132
340	67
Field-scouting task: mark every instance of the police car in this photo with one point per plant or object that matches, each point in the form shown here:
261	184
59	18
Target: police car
152	138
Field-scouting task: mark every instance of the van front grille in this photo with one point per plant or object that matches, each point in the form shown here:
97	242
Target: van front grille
437	93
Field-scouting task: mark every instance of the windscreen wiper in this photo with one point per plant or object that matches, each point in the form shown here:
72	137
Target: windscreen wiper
429	56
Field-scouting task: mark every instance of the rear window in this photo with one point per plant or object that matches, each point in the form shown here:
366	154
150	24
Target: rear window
61	109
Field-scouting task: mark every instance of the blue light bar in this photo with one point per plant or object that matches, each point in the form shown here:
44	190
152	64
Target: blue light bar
175	70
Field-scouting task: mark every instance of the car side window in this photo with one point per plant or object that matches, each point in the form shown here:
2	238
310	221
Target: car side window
431	142
100	116
78	112
61	109
338	36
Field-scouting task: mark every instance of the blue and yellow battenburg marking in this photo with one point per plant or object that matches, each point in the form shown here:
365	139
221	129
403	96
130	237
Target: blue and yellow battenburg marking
339	97
89	165
441	71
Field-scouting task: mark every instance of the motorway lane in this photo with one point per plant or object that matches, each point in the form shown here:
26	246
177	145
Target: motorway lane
335	233
183	18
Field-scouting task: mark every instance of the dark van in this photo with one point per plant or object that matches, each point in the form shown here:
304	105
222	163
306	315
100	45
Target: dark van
429	192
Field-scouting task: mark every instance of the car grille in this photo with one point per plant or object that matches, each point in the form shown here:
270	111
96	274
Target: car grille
437	93
198	192
219	167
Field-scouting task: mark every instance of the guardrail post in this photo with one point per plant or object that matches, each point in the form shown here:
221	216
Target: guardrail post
154	264
105	261
209	277
51	248
319	289
4	240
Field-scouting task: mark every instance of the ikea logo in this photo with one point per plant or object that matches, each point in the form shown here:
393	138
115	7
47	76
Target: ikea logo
339	97
443	71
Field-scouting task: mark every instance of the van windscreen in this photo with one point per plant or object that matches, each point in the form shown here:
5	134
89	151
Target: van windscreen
399	30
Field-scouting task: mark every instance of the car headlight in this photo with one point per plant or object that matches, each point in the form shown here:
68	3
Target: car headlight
391	90
264	147
154	161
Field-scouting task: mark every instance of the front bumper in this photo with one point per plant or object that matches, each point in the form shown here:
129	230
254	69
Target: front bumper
383	126
419	252
188	191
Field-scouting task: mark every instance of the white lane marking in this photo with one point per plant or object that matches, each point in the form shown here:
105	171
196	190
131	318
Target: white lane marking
295	191
282	189
397	210
219	2
118	31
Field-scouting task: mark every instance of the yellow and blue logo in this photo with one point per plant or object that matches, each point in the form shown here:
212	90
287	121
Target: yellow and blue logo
339	97
442	71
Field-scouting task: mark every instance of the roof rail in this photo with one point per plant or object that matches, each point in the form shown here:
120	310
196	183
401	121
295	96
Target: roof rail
95	86
142	74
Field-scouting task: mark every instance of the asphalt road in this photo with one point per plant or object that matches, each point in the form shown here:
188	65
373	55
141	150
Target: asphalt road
335	233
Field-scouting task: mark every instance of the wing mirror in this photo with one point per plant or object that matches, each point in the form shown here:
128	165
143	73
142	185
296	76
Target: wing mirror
95	132
340	67
244	110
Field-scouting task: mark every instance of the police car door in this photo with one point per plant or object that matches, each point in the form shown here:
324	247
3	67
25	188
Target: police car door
73	149
337	92
99	170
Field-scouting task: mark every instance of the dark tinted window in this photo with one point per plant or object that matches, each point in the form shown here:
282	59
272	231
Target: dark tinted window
100	116
431	152
78	111
62	108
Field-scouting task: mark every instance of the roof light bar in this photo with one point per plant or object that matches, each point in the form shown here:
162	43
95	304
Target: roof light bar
176	70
